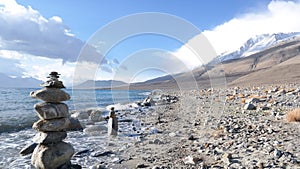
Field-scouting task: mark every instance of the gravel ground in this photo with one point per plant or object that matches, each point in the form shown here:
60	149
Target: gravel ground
211	128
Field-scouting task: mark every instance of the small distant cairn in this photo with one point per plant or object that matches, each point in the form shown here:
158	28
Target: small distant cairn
51	152
112	125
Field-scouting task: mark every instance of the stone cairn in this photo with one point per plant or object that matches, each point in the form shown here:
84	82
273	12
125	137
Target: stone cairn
112	124
51	152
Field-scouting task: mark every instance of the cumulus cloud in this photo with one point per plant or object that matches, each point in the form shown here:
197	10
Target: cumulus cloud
26	65
195	52
25	29
32	46
279	16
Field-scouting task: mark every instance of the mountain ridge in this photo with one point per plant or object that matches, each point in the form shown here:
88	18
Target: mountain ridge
9	82
91	84
256	44
248	70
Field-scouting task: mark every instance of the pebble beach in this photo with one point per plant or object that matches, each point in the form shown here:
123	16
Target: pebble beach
209	128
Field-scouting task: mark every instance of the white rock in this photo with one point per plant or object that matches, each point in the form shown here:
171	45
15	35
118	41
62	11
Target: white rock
95	130
172	134
80	115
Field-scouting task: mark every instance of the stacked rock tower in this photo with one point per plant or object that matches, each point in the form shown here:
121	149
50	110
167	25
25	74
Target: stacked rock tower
51	152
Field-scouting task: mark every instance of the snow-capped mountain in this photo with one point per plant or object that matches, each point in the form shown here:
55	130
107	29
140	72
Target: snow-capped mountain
257	44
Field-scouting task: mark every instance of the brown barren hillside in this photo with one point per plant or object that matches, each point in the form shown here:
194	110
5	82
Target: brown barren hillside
279	64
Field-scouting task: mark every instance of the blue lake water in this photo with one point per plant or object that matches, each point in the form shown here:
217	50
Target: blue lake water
17	112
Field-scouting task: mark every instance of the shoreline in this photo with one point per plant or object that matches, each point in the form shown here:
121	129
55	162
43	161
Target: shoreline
208	128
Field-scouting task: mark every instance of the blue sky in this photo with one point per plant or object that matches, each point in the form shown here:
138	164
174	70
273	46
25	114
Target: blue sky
86	17
80	38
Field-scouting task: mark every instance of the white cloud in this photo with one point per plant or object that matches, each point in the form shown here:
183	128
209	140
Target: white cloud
195	52
33	46
56	19
25	29
24	65
279	16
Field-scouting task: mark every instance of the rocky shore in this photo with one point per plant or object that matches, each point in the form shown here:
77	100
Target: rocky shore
211	128
237	127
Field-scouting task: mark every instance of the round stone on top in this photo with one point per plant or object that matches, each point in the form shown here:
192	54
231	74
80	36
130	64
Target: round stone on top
53	81
53	75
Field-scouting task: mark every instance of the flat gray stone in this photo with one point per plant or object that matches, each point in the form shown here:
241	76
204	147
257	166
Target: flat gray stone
61	124
28	149
51	156
49	137
51	110
51	95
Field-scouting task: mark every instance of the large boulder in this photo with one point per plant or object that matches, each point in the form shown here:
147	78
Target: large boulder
96	116
49	137
95	130
51	156
61	124
81	115
52	95
51	110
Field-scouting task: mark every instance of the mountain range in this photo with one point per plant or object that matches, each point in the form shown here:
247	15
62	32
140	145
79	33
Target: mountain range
257	44
267	58
18	82
91	84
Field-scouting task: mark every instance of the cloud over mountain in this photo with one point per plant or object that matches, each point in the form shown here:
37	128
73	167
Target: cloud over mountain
278	16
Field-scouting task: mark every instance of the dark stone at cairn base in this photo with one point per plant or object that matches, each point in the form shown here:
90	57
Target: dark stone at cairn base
51	156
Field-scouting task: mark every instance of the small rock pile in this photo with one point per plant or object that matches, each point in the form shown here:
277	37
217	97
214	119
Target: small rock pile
51	152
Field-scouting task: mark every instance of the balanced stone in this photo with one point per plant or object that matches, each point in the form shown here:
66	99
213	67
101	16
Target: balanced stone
52	95
51	110
52	125
28	149
50	151
49	137
53	81
51	156
112	124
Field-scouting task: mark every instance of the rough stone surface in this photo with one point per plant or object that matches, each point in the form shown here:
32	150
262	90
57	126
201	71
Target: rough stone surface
49	137
96	116
52	95
51	110
51	156
249	106
52	125
28	149
112	126
74	125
